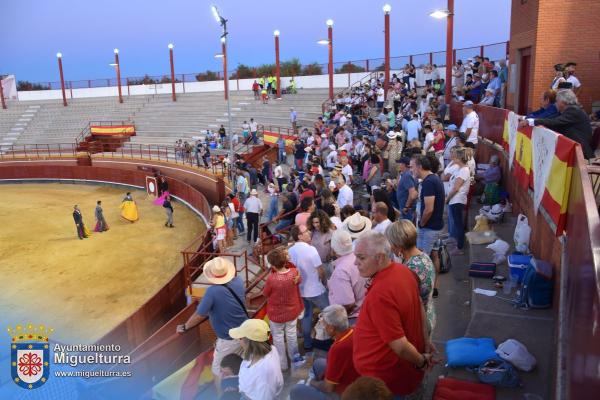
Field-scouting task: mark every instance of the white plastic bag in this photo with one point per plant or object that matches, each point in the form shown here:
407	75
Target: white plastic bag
516	353
522	234
500	248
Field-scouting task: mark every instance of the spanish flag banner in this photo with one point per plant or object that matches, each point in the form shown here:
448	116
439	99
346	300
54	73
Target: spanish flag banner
270	138
522	157
555	198
511	128
105	130
544	146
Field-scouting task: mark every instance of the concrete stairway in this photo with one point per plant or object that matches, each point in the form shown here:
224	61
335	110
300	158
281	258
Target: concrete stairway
54	123
163	121
158	119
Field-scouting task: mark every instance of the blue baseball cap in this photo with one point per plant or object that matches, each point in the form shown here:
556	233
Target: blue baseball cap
451	127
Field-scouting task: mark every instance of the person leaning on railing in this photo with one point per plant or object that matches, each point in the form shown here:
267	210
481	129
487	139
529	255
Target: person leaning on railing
573	122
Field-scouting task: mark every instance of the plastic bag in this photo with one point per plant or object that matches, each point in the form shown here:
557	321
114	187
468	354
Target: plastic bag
500	248
516	353
522	234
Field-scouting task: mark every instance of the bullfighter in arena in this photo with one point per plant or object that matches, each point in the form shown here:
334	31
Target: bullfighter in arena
79	222
101	224
129	209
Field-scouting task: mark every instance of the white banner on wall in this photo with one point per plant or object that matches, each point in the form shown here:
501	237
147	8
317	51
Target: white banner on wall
9	86
544	147
513	124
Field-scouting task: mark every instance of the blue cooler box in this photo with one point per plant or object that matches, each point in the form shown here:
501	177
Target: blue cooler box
517	264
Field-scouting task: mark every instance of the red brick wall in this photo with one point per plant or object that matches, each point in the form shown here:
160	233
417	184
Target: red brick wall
523	22
558	31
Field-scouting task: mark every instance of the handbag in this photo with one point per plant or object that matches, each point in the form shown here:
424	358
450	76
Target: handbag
482	270
444	255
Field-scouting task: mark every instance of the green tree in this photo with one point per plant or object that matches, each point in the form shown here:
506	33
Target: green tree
349	68
207	76
291	67
265	70
243	72
25	86
312	69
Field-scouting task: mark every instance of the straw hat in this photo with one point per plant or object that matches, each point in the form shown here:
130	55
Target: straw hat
219	271
356	225
253	329
341	242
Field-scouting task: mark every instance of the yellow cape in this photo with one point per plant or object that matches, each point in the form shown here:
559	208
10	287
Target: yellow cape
129	210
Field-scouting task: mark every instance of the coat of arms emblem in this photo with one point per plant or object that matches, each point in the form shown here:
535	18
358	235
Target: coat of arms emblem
30	355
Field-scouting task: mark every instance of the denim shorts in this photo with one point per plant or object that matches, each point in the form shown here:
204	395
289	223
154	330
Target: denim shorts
426	239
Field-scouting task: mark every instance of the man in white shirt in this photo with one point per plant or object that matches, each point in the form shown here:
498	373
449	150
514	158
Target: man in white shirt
470	124
345	194
254	210
342	120
413	127
380	97
380	217
346	169
332	159
254	130
306	258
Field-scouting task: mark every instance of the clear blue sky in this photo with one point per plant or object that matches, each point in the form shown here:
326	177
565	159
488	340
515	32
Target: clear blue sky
86	32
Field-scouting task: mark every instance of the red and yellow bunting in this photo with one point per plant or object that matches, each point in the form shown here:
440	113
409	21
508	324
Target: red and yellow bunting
99	130
270	138
558	184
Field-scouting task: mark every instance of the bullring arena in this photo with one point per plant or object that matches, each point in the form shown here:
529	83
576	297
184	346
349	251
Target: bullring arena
83	289
309	157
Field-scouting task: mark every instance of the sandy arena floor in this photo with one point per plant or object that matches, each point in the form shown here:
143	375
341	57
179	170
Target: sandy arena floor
83	288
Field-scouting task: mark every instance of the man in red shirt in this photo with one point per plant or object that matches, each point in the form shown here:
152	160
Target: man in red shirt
336	373
390	341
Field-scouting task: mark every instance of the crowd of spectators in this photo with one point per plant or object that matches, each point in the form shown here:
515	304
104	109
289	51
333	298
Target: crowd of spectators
365	199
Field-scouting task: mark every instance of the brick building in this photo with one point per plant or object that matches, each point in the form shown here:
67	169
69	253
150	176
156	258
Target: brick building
548	32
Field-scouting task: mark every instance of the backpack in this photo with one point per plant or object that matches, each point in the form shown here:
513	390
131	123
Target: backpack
444	256
537	287
498	372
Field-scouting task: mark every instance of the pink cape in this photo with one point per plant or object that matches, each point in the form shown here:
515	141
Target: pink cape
160	200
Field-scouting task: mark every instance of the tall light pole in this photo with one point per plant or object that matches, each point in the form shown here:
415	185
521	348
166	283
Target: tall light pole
174	96
449	15
118	67
2	94
277	66
225	77
62	79
330	66
223	22
386	9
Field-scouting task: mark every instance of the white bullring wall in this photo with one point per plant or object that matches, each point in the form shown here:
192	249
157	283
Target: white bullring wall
306	82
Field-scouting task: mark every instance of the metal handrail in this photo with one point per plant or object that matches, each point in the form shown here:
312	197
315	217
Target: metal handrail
181	78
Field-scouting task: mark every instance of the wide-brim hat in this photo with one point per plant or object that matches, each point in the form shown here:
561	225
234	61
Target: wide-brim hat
254	329
219	271
356	225
341	242
392	135
253	192
216	209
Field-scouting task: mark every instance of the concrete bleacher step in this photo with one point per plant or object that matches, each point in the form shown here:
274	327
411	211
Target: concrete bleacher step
496	317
